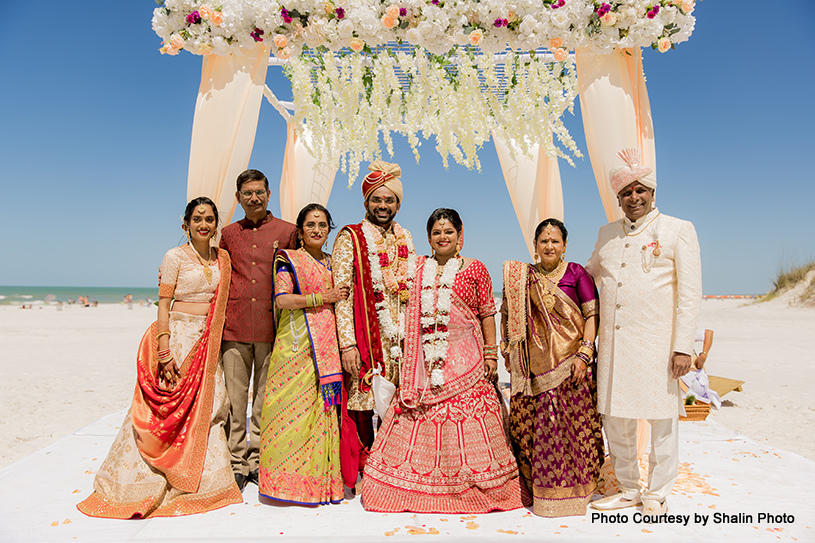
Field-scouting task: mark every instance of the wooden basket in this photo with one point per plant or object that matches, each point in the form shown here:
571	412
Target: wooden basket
697	411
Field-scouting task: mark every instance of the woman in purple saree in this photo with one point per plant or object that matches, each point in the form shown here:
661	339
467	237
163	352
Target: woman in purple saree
549	321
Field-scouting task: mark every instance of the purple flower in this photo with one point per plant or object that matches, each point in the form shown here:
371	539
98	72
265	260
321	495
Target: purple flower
256	35
434	2
498	22
402	12
340	13
603	9
194	18
559	4
653	13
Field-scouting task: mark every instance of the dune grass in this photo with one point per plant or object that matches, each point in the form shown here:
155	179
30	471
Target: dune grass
791	276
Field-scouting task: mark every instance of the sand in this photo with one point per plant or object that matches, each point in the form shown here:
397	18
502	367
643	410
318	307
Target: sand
62	370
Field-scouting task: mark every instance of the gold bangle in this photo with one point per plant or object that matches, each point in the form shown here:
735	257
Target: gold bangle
164	333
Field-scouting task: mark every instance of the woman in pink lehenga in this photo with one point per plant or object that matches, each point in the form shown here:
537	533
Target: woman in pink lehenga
442	447
549	320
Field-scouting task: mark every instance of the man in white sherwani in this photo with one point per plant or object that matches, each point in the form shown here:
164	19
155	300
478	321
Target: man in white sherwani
648	269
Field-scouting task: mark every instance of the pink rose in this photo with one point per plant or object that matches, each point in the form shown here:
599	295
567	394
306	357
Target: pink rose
554	43
388	22
561	54
392	12
356	44
476	37
663	44
281	41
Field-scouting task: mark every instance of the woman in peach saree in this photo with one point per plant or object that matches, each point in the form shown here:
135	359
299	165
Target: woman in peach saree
170	457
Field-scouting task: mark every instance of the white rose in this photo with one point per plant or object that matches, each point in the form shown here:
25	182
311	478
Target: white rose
220	46
345	29
414	36
559	19
425	28
528	25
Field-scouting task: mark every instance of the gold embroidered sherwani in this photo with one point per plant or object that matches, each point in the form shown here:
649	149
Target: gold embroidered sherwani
343	269
649	306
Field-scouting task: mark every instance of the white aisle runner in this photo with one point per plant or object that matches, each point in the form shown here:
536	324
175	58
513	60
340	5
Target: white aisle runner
722	473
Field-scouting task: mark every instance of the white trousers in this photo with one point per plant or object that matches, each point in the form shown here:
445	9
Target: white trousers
663	461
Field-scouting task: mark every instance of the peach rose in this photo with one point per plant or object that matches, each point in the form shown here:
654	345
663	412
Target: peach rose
554	43
205	12
561	54
284	53
176	41
511	16
663	44
686	6
328	8
476	37
167	49
609	19
216	18
281	41
204	49
356	44
388	22
392	12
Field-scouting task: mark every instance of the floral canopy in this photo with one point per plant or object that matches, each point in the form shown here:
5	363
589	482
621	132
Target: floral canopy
462	71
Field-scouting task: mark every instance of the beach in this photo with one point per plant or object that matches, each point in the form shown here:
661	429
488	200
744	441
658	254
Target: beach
63	370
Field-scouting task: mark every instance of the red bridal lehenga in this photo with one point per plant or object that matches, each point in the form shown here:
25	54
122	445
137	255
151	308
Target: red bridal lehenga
170	457
448	454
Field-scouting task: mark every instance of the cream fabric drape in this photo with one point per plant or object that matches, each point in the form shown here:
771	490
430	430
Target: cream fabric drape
534	187
616	114
223	130
303	180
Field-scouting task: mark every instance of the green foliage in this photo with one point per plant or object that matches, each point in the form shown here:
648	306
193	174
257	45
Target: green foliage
790	276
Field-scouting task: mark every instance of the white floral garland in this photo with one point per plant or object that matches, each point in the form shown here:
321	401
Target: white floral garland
437	315
395	332
230	26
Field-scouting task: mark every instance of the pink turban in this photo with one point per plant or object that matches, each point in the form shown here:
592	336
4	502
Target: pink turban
383	174
622	176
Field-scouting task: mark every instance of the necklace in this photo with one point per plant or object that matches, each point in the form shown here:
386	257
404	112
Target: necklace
378	259
436	314
548	297
207	269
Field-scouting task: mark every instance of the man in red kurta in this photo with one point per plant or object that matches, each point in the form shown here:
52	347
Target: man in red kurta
249	331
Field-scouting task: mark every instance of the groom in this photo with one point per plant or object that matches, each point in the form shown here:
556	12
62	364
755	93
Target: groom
376	259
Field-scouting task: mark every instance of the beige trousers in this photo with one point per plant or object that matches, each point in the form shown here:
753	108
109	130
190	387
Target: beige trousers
243	362
663	460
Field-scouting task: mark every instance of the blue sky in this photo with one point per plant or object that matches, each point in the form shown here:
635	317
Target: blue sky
95	129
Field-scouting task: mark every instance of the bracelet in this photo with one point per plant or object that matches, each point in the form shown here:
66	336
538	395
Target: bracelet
318	299
589	344
491	357
346	349
491	350
585	351
583	357
164	333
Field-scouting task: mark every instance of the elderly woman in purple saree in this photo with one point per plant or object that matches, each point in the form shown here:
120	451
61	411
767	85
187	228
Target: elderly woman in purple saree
549	322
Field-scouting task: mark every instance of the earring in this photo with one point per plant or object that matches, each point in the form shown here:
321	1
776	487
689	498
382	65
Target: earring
187	233
537	257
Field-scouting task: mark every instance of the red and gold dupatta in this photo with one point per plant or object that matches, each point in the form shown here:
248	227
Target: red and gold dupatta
172	426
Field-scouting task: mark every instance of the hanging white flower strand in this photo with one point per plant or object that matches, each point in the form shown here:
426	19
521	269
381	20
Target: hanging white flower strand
436	315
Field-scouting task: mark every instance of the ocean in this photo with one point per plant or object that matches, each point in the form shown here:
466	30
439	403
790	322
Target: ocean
51	295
